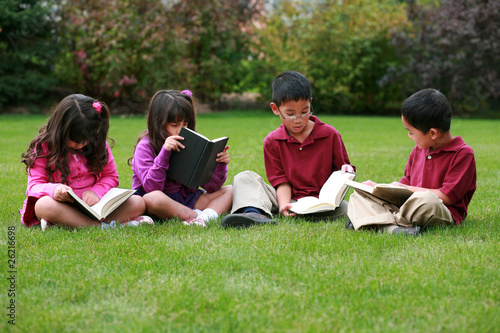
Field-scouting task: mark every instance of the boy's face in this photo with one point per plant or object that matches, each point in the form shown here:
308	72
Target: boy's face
294	115
421	139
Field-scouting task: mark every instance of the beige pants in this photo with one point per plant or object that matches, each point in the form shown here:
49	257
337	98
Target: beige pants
422	209
250	190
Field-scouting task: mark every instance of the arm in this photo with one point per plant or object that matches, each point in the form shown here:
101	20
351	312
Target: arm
446	200
149	168
340	157
39	186
284	194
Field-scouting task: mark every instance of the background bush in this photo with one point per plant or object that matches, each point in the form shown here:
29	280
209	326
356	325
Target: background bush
453	47
27	50
361	56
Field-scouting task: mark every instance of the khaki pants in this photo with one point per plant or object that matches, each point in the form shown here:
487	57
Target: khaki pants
250	190
422	209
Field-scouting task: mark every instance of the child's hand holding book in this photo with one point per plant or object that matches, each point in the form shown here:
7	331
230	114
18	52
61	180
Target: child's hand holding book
223	156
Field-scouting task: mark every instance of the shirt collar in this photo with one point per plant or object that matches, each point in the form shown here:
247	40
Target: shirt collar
454	145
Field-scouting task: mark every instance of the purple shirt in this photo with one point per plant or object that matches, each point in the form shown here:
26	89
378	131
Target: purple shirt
450	169
307	165
150	172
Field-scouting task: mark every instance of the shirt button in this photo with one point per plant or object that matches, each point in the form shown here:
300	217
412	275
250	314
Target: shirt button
300	148
429	157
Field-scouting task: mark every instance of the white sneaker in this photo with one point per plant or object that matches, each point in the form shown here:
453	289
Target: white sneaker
197	221
143	219
44	224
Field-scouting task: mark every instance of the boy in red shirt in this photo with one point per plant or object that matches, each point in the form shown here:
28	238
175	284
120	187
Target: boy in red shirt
299	157
441	170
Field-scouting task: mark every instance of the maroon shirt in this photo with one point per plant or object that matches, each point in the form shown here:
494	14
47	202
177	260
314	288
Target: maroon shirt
307	165
450	169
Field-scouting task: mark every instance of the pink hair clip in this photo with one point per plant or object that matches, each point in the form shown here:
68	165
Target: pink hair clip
97	106
187	92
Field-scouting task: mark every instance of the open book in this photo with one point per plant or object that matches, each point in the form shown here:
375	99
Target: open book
108	203
391	193
195	164
330	196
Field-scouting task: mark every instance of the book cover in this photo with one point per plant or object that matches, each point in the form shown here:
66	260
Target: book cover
330	196
108	203
195	164
396	195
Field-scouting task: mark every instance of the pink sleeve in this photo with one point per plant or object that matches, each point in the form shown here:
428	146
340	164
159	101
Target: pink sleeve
38	183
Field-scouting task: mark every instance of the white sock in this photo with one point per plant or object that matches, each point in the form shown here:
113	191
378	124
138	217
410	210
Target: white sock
199	212
208	214
109	225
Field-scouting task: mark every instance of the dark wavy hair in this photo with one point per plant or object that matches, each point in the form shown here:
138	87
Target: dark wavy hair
166	106
73	119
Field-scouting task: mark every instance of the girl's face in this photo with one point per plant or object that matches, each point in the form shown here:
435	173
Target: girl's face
76	146
174	128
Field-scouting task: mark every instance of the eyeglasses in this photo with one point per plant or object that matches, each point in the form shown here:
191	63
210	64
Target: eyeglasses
294	118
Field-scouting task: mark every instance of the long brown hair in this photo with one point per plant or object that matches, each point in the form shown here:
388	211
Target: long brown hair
166	106
77	120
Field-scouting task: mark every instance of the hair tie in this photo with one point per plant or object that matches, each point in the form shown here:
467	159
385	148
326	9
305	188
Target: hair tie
187	92
97	106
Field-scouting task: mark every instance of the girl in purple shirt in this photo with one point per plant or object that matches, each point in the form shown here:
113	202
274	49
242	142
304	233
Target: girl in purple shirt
169	111
70	152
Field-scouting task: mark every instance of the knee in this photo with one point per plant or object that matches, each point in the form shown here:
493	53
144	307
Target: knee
227	190
425	198
245	175
154	199
46	207
137	203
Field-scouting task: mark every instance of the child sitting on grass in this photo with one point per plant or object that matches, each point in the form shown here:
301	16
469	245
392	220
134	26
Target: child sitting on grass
441	170
299	156
169	111
70	152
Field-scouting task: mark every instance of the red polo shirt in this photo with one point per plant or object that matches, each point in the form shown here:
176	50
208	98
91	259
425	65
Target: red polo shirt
307	165
451	169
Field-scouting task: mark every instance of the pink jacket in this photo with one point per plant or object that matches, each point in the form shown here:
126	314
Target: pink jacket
80	179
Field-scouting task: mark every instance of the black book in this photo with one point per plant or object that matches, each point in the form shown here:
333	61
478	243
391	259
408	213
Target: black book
195	164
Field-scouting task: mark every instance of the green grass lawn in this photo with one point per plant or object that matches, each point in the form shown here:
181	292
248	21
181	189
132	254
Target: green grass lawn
294	277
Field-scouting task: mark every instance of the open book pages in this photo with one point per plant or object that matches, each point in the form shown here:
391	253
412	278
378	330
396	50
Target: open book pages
330	196
391	193
108	203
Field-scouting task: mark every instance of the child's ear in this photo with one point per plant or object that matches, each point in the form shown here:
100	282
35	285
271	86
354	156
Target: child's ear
274	108
435	133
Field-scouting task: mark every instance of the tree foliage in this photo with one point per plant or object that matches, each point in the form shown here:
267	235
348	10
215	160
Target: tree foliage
343	48
123	51
26	51
453	47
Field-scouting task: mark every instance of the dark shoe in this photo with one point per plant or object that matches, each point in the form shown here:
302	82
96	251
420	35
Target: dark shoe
245	220
411	231
349	225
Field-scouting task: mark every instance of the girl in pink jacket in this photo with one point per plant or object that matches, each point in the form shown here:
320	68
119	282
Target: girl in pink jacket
70	152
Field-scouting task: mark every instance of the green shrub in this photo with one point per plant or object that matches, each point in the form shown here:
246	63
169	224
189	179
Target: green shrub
344	49
26	51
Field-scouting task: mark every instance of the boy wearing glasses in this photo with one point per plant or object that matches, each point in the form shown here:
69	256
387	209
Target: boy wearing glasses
299	157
